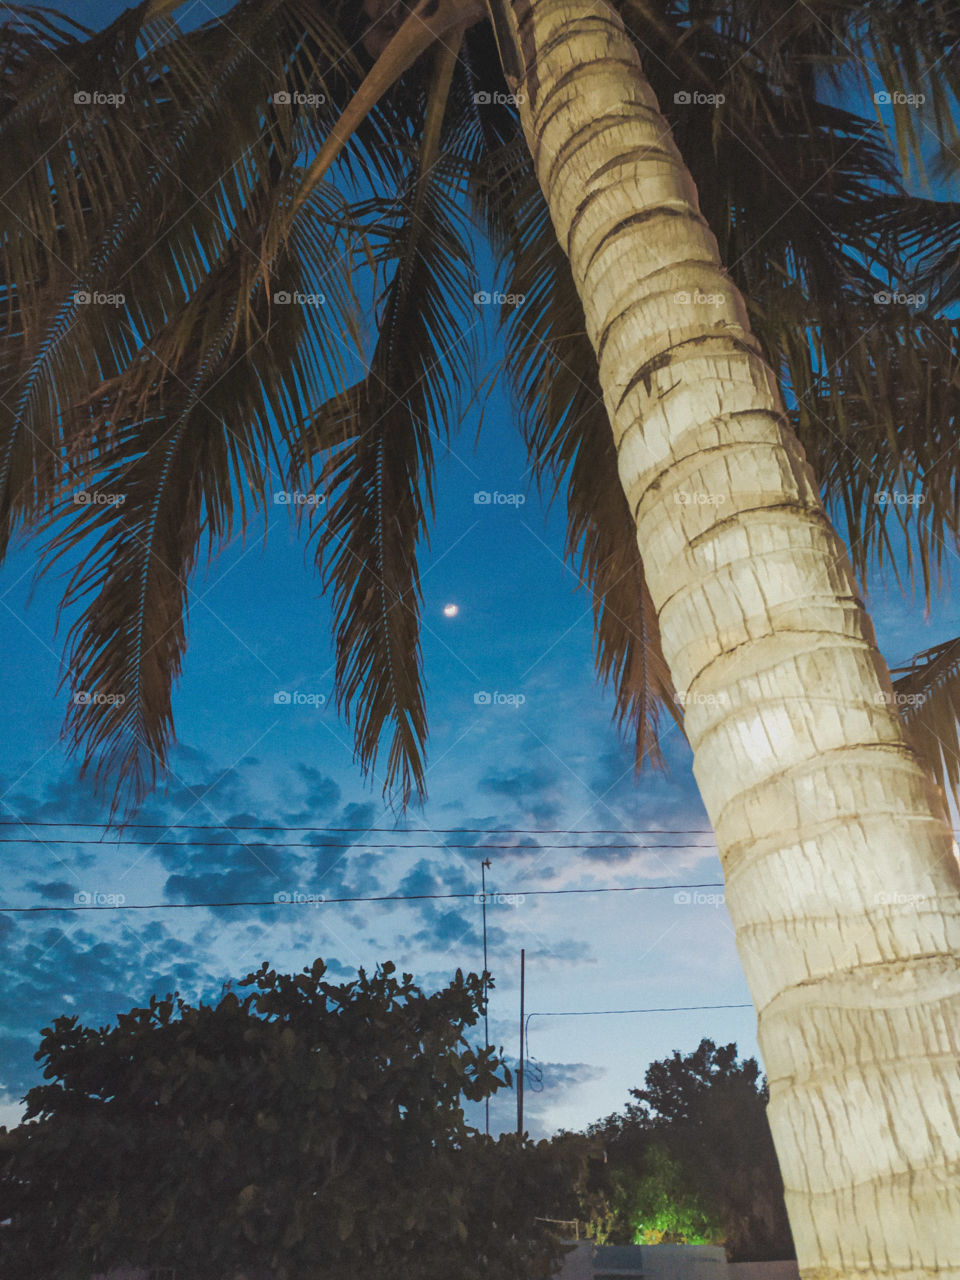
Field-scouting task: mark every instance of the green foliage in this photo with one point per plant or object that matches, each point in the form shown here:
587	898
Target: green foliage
666	1210
305	1131
691	1159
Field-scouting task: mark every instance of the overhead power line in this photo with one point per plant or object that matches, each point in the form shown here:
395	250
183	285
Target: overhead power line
602	1013
307	899
331	844
396	831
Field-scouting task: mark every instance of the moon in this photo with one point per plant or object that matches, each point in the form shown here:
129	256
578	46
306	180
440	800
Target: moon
451	610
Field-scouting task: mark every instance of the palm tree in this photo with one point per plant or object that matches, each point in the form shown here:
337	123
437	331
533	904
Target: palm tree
195	212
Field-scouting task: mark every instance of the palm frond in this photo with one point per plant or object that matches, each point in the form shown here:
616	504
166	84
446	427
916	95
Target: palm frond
379	480
174	453
571	446
198	139
927	693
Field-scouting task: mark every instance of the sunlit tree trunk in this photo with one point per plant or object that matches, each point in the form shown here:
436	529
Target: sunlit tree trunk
841	878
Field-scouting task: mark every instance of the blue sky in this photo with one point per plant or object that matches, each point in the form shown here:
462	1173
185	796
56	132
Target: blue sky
258	626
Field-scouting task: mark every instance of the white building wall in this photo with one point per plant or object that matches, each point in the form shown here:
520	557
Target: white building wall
651	1262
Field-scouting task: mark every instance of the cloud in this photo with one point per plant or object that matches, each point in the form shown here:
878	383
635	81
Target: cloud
545	1085
53	890
321	793
534	789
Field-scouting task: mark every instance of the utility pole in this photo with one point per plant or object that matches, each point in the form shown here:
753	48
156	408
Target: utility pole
523	974
486	1022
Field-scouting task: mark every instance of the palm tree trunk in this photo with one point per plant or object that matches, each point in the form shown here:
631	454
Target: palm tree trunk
841	876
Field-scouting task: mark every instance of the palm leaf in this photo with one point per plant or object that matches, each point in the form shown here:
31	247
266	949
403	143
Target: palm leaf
570	445
927	693
178	460
378	480
202	143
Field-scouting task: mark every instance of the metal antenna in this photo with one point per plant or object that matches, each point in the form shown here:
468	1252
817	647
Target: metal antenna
523	974
486	1022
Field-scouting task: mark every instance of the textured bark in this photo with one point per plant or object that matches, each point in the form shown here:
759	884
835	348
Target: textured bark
841	877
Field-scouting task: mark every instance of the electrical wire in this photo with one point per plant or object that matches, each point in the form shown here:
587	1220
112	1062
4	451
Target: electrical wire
318	900
255	826
331	844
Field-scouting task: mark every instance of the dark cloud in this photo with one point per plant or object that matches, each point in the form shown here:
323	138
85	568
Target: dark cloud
429	876
239	885
536	790
71	969
359	815
53	890
518	783
320	793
